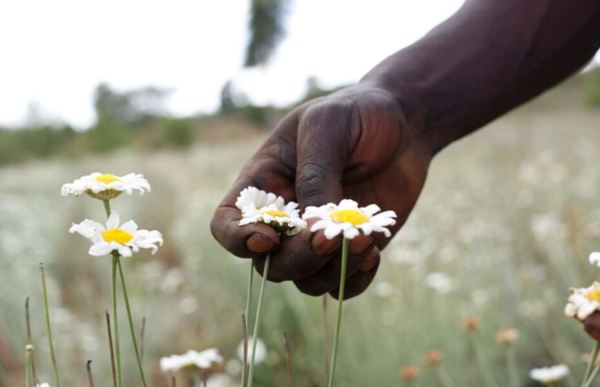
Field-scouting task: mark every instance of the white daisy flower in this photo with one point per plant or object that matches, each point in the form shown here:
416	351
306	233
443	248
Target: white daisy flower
349	219
191	359
549	375
259	198
43	385
283	218
583	301
106	186
595	259
267	208
261	350
124	239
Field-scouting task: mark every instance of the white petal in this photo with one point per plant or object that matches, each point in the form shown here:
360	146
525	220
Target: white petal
332	231
130	227
100	249
113	221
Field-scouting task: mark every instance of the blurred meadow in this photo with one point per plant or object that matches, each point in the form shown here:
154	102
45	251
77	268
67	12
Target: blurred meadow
502	230
504	227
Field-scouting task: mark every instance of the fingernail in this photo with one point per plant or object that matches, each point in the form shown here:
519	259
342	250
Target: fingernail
359	244
259	244
370	262
323	246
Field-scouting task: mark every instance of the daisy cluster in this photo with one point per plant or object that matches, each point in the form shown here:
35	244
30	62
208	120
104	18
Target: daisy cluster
123	239
345	218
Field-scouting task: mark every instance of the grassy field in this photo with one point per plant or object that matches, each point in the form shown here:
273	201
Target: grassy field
502	230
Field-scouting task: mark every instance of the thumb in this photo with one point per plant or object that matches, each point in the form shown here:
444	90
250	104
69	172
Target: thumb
323	150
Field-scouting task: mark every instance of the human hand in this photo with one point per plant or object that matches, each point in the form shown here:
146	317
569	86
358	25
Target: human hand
354	144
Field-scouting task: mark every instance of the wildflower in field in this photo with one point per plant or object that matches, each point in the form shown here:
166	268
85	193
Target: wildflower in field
106	186
595	259
204	360
124	239
433	358
440	282
257	197
470	324
283	218
348	219
261	350
549	375
410	373
507	336
583	301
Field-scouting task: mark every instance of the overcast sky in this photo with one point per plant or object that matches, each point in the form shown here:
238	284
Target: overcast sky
55	52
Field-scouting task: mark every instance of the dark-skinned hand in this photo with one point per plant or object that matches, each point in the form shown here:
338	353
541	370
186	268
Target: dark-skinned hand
354	144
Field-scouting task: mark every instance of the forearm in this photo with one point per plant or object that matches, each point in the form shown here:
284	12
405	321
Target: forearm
488	58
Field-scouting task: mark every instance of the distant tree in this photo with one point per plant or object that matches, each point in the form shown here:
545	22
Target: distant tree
266	30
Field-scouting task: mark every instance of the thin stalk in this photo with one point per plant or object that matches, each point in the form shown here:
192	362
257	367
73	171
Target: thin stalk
257	321
48	328
204	378
288	358
116	320
444	377
112	351
30	342
592	362
325	335
249	293
513	369
484	366
142	335
338	323
107	207
173	381
196	379
592	377
245	360
88	367
28	351
131	326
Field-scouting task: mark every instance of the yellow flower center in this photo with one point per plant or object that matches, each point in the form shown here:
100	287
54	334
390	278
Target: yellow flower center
594	295
349	216
116	235
107	179
276	213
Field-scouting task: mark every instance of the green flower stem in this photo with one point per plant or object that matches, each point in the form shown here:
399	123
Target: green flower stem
247	319
338	322
592	377
131	326
249	298
115	320
482	361
114	304
28	367
592	361
513	369
444	377
257	321
48	328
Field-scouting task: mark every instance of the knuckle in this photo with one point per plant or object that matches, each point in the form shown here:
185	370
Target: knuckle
310	180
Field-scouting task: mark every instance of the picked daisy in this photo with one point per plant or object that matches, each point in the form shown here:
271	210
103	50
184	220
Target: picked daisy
549	375
583	301
204	360
106	186
349	219
267	208
259	198
125	238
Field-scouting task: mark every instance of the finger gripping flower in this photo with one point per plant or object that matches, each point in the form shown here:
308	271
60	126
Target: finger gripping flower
106	186
348	219
267	208
123	239
583	301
